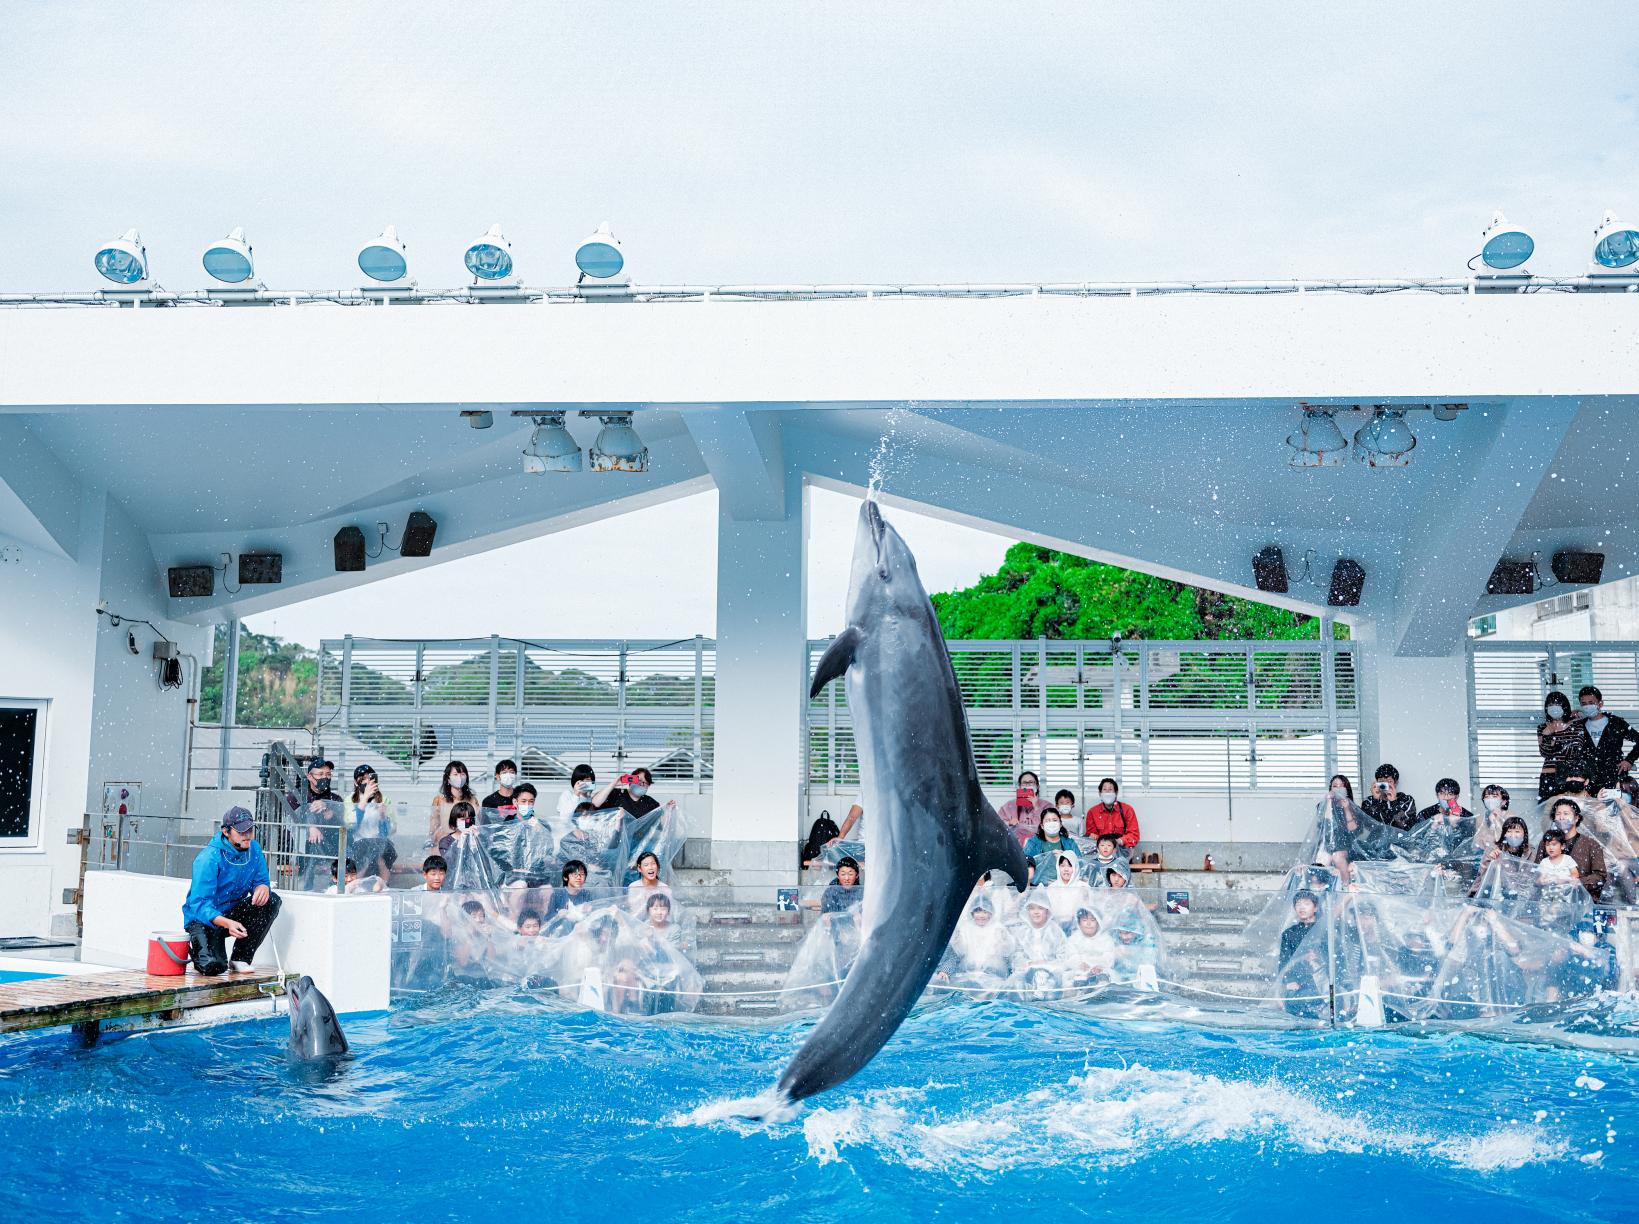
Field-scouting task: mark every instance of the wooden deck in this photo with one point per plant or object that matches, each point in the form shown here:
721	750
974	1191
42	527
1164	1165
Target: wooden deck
86	1000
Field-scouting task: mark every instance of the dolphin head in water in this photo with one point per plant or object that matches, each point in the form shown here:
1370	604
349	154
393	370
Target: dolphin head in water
314	1030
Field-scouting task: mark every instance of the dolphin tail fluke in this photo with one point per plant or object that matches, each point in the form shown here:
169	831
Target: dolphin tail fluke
838	655
999	850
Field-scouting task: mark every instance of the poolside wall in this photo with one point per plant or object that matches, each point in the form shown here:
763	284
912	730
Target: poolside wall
342	942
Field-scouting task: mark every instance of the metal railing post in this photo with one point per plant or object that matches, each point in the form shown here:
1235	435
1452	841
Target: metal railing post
700	706
494	692
620	709
1041	702
230	703
1328	692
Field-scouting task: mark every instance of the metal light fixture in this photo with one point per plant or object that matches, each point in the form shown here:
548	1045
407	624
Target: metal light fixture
618	448
1504	248
1318	442
1615	246
478	418
600	255
124	261
384	259
229	260
551	447
489	258
1385	440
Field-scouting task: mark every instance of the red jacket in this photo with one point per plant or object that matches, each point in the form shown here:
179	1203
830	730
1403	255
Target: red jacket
1120	820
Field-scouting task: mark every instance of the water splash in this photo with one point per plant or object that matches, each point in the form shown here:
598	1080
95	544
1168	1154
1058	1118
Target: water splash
887	461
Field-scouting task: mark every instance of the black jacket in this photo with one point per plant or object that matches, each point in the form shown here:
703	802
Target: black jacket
1618	743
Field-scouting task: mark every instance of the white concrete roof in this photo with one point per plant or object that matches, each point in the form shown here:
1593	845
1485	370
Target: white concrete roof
1147	430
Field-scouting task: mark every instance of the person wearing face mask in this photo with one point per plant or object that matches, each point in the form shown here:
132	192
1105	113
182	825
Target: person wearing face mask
1022	813
583	788
501	803
318	838
1110	815
452	789
1514	841
1050	841
1495	800
1609	743
1559	740
1565	818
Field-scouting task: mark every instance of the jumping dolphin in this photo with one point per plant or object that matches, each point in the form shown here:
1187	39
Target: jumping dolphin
929	833
315	1032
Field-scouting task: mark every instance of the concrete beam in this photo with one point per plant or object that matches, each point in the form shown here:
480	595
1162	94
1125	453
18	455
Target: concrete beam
1453	550
39	497
746	457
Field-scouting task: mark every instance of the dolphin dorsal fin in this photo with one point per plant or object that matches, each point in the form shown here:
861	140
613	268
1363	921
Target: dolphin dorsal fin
998	849
838	655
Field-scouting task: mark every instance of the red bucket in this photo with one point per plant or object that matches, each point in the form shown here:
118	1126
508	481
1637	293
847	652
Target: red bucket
167	954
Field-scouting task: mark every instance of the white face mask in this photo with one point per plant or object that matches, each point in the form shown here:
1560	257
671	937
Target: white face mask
1108	797
526	810
1339	793
1493	803
458	780
637	790
507	780
1565	823
1065	809
1514	838
1590	709
1556	711
1051	826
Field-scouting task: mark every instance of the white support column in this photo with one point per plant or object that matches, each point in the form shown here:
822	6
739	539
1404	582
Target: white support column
1414	715
762	691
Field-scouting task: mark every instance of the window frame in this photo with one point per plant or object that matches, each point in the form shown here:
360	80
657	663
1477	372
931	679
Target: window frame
31	840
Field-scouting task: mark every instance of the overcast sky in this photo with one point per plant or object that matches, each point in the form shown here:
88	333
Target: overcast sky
774	142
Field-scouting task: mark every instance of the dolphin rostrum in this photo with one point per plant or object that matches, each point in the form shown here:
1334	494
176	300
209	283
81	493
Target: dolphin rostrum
929	832
315	1032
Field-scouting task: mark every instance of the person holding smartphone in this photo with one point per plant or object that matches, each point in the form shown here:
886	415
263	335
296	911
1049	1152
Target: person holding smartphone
1022	813
1388	804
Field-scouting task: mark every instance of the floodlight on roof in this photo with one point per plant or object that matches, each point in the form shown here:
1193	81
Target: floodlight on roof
229	260
1615	245
489	257
618	448
600	255
1385	440
124	260
551	447
1317	442
1503	248
383	259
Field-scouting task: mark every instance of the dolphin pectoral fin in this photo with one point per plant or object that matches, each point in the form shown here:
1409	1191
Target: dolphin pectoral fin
999	850
838	655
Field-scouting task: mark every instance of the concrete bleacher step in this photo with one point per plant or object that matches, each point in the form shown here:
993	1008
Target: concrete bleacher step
750	934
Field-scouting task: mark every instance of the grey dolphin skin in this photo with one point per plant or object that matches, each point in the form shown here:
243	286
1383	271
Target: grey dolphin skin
929	832
314	1030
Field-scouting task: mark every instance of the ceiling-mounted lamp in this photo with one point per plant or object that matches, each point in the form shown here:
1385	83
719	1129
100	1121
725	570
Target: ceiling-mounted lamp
618	448
1317	442
1385	440
551	446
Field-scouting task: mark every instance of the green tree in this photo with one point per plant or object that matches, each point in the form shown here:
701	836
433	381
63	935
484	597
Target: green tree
278	682
1039	592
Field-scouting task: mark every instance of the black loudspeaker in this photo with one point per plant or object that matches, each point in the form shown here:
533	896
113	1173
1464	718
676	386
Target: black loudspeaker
350	550
1579	567
191	581
1348	577
261	568
1512	578
1269	570
418	535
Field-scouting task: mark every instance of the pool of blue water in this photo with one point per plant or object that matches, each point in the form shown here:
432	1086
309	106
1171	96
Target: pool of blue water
497	1109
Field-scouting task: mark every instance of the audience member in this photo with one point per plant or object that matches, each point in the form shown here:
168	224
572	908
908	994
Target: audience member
574	894
463	821
1089	951
1559	740
452	789
1043	849
502	800
1582	851
850	839
433	870
1067	891
1553	865
1387	804
1300	976
1609	743
1110	815
1022	813
843	892
583	788
647	884
1108	855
